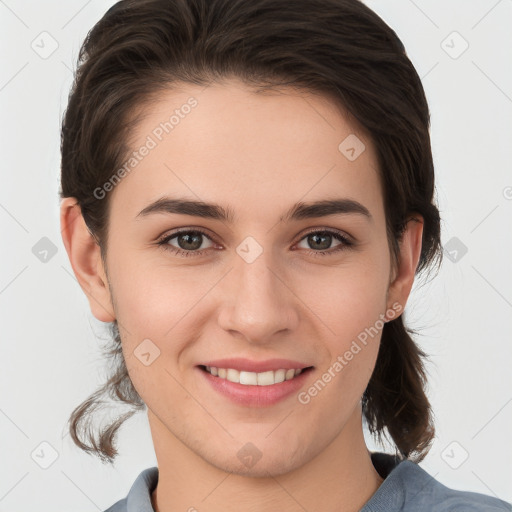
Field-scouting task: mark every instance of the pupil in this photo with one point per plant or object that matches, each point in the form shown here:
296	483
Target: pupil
196	243
326	237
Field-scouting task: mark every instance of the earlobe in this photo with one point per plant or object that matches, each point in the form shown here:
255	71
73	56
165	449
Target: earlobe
85	258
410	251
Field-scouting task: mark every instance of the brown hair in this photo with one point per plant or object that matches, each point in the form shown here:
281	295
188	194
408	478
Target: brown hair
335	47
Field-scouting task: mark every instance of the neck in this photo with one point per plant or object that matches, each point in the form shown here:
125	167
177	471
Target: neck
340	478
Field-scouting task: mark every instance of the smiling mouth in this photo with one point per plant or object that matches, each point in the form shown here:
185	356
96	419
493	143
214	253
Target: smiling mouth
267	378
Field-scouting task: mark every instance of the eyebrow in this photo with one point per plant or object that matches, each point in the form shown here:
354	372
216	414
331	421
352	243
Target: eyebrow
298	211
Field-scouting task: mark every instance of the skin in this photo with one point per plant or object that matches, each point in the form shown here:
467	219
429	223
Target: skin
258	155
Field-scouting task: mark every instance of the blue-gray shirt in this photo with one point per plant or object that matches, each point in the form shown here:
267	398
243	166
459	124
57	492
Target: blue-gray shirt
407	487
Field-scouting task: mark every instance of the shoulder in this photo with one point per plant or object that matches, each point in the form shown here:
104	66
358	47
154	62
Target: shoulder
422	492
139	495
118	506
407	487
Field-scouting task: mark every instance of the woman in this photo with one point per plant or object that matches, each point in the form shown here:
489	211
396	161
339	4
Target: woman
247	197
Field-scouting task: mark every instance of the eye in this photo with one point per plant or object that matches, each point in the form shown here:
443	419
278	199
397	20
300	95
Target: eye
323	239
188	241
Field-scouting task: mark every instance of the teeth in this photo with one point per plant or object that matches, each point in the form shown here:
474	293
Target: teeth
249	378
266	378
252	378
233	375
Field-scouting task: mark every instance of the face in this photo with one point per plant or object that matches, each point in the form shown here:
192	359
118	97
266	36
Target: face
189	287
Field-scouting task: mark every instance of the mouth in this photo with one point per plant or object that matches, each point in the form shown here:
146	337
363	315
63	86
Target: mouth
254	389
246	378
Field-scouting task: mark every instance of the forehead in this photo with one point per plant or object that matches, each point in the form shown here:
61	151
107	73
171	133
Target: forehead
225	143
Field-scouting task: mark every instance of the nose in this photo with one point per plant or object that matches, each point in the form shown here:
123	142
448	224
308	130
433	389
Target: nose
259	302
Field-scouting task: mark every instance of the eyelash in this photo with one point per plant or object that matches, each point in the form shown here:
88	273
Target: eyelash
163	242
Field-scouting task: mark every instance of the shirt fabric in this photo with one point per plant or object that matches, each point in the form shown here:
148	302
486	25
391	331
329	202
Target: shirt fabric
407	487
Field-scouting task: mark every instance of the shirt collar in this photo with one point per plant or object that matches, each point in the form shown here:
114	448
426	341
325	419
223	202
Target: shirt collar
139	497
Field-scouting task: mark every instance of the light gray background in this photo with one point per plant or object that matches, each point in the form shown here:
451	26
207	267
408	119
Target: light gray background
50	353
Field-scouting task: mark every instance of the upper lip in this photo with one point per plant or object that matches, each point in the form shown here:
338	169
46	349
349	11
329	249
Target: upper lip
249	365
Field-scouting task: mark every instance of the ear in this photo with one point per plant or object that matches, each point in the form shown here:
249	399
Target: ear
404	272
85	258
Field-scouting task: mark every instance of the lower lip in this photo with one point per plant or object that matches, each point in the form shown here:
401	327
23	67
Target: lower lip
256	396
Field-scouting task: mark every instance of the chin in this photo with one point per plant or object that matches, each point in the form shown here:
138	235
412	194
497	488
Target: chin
252	460
263	468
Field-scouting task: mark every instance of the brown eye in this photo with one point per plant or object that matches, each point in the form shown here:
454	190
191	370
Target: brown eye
188	242
320	242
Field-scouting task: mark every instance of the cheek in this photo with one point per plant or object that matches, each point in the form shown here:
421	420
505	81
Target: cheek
349	305
159	307
354	318
152	295
349	298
